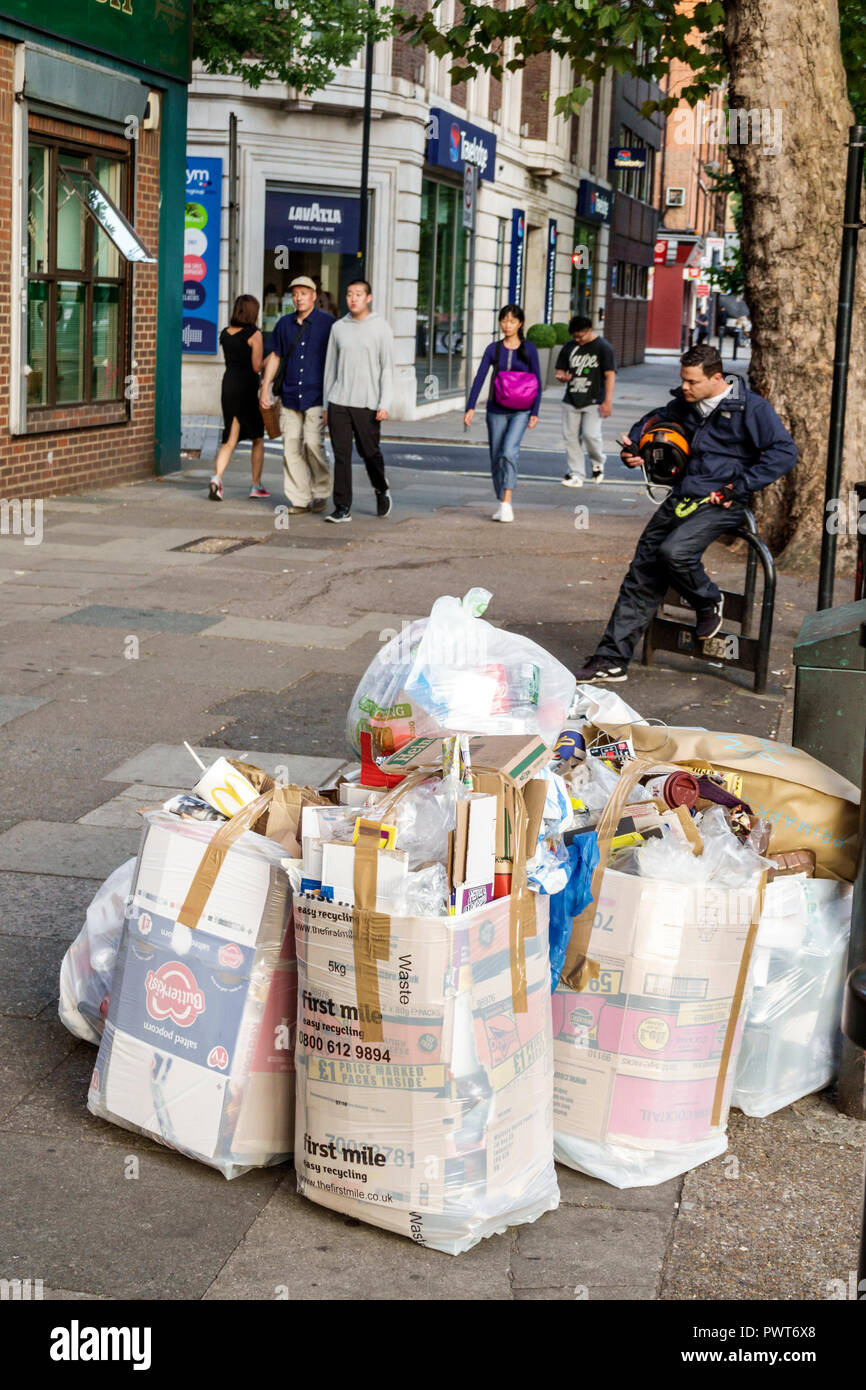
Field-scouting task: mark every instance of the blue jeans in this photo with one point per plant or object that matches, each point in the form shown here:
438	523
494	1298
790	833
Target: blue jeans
504	433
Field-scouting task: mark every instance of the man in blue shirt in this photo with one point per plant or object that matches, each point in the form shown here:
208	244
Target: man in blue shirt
301	341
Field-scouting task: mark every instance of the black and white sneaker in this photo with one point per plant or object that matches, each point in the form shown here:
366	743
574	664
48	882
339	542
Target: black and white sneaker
709	621
383	503
597	671
339	514
598	473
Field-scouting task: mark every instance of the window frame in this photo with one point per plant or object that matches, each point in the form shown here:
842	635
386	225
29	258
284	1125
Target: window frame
60	148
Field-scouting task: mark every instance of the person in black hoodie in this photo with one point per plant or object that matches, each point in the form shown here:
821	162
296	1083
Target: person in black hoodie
738	445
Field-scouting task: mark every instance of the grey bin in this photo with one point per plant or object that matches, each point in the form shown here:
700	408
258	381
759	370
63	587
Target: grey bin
830	692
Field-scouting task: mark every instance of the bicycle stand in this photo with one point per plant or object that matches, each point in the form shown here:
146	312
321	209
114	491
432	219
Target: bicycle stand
741	650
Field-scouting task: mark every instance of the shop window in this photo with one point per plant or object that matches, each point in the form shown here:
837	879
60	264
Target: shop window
501	271
442	274
79	244
313	233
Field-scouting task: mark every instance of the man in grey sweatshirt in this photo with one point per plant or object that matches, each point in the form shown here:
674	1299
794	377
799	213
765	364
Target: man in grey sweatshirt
358	391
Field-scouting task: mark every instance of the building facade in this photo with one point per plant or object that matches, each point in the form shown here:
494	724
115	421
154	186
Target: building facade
693	210
634	142
440	286
93	115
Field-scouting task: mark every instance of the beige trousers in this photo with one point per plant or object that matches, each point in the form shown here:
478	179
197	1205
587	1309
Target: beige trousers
306	475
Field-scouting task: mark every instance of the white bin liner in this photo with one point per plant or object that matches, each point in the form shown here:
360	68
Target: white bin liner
85	975
792	1038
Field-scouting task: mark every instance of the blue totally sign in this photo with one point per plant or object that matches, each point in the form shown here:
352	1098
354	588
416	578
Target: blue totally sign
619	158
201	253
453	143
311	221
518	253
594	202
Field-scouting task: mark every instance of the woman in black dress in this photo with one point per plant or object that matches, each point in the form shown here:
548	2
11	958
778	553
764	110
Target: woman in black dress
241	343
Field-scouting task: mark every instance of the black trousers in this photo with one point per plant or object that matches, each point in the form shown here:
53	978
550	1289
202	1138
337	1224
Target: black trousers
345	423
668	555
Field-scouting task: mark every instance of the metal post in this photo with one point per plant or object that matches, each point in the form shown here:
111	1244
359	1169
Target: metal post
365	152
851	1096
233	209
847	271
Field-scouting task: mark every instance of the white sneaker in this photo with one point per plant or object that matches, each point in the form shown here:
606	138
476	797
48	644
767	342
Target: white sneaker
497	515
572	480
505	512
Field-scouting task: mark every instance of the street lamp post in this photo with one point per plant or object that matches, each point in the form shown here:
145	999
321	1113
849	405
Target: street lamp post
850	231
365	151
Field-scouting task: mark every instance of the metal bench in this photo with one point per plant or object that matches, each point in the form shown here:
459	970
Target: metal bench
739	650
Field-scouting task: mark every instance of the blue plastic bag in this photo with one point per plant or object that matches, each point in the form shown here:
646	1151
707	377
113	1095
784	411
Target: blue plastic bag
564	906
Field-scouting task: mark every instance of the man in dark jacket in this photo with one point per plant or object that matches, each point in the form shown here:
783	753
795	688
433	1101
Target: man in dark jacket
738	445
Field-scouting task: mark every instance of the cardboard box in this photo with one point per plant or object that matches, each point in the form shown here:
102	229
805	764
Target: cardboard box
197	1050
441	1129
645	1056
521	757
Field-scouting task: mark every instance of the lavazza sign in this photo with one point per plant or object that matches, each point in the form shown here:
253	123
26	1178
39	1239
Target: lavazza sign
316	214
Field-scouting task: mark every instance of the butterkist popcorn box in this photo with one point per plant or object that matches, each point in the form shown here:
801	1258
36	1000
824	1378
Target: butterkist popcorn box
198	1044
645	1055
424	1057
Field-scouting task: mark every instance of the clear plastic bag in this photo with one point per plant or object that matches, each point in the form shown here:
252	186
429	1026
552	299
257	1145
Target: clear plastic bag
381	705
85	975
474	678
792	1033
726	861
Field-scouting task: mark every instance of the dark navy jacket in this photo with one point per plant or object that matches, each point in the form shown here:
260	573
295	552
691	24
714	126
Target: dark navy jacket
742	441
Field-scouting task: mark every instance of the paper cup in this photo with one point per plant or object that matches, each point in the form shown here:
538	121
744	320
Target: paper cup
224	788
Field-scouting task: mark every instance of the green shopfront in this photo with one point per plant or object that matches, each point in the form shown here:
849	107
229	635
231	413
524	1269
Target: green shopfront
93	96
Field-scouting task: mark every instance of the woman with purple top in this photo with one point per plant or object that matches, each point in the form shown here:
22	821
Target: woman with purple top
512	402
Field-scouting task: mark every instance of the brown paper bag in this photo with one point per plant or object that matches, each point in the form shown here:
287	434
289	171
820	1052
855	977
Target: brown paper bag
808	805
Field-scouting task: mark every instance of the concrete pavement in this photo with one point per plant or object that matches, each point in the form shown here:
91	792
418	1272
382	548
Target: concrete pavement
149	615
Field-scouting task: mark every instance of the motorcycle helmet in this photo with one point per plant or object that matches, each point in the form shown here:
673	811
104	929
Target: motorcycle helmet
665	452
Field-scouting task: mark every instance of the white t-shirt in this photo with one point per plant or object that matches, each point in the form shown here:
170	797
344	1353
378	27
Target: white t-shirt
708	405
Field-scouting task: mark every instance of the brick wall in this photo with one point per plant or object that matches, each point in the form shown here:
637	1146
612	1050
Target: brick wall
458	91
69	449
494	91
404	58
534	98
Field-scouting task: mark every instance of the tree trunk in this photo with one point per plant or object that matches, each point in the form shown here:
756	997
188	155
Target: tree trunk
784	57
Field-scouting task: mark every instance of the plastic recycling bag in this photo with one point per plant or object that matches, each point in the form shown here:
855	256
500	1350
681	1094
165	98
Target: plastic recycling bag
455	673
85	975
792	1033
478	679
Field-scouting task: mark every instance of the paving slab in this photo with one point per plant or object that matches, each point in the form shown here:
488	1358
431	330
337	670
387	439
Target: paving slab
148	619
578	1189
121	812
29	974
171	765
315	1254
584	1248
44	904
13	706
79	851
30	1050
778	1216
56	1106
303	634
165	1234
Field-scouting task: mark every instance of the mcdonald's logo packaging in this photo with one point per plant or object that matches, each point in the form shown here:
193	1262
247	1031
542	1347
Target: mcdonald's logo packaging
197	1051
425	1069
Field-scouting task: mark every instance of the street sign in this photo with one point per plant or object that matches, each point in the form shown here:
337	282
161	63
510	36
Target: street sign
470	196
702	291
661	252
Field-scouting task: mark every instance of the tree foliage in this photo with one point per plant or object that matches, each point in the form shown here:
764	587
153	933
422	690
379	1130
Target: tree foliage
592	35
852	19
596	37
729	278
279	40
